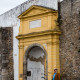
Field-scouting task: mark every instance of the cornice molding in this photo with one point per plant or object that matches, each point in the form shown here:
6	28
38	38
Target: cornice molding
35	34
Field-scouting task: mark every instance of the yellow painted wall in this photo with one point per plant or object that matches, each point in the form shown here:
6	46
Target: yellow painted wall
47	36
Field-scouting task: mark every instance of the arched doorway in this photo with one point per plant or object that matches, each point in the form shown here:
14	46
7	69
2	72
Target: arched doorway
35	63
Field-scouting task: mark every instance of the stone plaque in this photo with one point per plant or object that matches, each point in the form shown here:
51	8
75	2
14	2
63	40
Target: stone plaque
35	23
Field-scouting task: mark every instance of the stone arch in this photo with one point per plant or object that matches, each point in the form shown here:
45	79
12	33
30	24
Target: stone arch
25	60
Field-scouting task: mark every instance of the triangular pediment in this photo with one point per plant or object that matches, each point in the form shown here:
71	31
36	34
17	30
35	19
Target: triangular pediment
35	10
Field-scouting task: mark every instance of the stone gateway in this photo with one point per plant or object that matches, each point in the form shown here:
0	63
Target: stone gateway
35	63
39	62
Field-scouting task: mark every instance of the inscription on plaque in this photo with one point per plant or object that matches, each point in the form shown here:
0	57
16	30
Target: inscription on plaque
35	23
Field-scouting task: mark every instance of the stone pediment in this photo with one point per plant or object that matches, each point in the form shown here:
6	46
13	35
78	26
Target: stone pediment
35	10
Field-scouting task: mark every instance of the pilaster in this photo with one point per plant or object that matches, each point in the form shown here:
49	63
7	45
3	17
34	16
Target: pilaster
55	50
21	53
49	51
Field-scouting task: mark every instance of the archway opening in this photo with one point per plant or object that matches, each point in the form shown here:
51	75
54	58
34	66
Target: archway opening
36	64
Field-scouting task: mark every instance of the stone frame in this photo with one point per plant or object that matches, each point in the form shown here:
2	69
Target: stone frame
49	35
25	60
